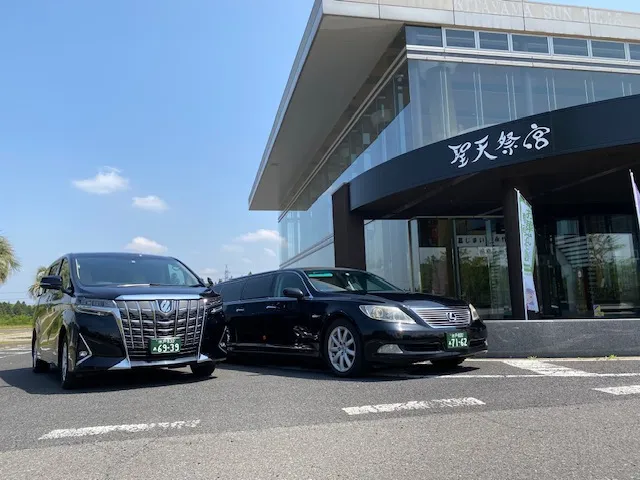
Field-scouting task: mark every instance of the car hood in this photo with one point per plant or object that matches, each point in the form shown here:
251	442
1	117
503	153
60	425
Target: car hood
422	300
113	292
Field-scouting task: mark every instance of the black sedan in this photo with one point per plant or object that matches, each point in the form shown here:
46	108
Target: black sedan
351	318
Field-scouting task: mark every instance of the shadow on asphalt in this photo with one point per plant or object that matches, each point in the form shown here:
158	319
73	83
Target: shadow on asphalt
48	383
315	369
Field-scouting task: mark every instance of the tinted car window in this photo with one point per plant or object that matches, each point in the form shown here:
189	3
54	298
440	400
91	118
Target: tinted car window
230	292
348	281
288	280
64	273
53	270
96	270
258	287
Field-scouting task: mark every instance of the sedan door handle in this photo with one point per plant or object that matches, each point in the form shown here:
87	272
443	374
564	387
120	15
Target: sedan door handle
239	309
271	307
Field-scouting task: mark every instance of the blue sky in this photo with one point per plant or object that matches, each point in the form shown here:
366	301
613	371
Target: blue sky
140	124
166	99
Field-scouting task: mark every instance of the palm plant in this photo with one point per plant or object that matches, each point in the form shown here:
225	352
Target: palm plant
8	261
34	289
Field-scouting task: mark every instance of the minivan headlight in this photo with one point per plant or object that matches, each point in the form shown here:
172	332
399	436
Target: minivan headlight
386	314
96	306
474	313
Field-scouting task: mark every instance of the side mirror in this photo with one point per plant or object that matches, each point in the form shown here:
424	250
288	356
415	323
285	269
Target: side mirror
51	282
293	293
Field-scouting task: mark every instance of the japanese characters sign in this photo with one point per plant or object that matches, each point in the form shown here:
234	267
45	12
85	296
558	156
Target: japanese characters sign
505	145
528	253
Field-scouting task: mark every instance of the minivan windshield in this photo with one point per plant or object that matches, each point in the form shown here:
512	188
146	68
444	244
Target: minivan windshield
133	270
348	281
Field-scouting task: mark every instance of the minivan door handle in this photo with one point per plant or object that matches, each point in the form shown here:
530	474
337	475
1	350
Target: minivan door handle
271	307
239	309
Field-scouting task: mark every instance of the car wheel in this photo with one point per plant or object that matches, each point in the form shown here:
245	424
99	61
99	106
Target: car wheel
448	363
343	349
67	378
37	365
203	370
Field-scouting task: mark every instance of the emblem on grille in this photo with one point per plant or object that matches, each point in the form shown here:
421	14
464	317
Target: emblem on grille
451	316
165	306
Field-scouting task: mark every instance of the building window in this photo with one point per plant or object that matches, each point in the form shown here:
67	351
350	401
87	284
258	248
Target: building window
461	38
570	46
608	49
530	43
634	51
424	36
494	41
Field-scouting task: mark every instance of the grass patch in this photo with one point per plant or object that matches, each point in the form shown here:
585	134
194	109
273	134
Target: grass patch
15	320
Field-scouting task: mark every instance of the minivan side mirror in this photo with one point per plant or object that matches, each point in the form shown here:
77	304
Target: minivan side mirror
51	282
293	293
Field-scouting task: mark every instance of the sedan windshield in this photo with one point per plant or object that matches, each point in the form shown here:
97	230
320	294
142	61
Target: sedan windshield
133	270
348	281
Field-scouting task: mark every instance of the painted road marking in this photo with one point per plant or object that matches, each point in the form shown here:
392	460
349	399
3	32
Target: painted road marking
414	405
628	390
547	369
141	427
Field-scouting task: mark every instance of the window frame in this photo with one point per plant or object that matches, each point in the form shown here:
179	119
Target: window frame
277	294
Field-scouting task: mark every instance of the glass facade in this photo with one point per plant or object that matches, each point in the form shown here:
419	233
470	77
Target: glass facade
381	133
587	266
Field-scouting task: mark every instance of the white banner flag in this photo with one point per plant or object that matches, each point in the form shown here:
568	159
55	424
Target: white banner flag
527	252
636	196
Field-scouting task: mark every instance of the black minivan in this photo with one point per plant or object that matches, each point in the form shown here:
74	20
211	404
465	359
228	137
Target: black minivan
101	312
351	318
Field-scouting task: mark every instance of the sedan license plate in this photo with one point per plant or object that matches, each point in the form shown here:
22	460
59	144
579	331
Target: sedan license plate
457	340
165	345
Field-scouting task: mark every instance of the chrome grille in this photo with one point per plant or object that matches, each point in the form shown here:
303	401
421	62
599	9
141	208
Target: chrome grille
142	320
445	317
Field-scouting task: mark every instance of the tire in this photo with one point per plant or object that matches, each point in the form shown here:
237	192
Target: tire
68	379
37	365
343	349
203	370
448	363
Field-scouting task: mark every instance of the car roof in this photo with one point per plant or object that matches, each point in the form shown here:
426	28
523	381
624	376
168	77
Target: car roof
293	269
115	254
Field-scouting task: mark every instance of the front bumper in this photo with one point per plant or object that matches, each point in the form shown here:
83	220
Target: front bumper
98	344
418	343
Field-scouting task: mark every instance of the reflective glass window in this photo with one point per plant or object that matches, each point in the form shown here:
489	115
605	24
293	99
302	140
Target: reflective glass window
530	43
570	46
461	38
493	41
424	36
634	51
602	49
258	287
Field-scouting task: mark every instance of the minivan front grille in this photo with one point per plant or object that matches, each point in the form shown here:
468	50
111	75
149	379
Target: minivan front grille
444	317
144	319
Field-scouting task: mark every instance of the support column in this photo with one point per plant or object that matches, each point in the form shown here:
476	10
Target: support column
348	232
512	236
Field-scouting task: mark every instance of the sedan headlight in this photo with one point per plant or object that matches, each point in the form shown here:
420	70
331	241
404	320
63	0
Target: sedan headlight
386	314
474	313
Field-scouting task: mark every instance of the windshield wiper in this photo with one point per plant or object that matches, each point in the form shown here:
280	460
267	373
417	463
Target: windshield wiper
156	285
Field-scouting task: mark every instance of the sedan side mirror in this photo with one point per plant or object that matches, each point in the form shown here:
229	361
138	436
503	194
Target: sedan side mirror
293	293
51	282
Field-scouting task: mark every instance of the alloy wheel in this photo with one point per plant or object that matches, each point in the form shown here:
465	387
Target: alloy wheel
341	349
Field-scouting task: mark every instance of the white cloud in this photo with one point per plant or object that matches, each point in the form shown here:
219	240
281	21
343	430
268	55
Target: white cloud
230	248
270	252
261	235
108	180
246	260
145	245
208	271
151	202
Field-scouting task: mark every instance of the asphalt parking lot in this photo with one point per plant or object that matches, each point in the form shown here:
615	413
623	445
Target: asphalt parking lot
488	419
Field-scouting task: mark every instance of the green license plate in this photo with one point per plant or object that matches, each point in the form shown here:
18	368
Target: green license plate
158	346
457	340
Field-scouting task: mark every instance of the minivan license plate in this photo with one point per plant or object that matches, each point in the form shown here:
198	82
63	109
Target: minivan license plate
457	340
165	345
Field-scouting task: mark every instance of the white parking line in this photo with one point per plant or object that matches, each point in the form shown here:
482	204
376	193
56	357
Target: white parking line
547	369
414	405
628	390
141	427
